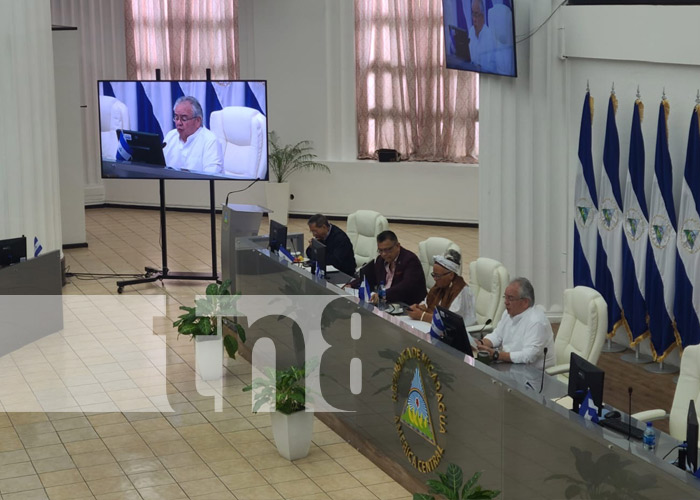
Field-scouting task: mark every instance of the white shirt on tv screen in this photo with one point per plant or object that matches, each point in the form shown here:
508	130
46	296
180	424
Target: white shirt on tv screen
200	153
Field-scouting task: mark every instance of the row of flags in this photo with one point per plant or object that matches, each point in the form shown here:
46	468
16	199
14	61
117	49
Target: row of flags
641	258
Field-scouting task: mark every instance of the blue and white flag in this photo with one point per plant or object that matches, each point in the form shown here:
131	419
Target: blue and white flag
124	149
285	254
588	408
635	243
608	277
687	300
661	253
37	247
585	204
365	292
437	327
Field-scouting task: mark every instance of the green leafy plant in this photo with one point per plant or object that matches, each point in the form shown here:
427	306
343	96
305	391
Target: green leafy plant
204	317
287	159
284	388
450	486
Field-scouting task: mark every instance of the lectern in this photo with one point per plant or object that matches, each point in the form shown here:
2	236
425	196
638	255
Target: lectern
237	220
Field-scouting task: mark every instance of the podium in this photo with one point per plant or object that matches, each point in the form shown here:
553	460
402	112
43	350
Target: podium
237	220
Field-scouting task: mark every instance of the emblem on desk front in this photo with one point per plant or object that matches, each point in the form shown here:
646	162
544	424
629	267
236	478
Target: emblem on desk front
418	409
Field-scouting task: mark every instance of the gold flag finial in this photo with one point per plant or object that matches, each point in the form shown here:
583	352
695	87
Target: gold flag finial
613	98
640	105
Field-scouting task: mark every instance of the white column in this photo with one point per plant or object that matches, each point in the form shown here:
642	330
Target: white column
29	189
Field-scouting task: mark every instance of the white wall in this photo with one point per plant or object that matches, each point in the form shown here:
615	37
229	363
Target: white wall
305	49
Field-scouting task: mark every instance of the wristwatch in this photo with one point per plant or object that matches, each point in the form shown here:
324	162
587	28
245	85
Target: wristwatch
495	355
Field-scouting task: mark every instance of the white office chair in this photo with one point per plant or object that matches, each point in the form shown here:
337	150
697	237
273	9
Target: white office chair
688	388
427	249
488	280
114	115
582	330
243	137
363	228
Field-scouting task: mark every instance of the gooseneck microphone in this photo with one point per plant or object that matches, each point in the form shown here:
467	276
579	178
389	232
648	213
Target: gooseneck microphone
544	362
629	413
480	332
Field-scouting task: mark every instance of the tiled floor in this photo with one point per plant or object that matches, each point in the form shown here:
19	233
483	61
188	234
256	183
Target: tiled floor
110	407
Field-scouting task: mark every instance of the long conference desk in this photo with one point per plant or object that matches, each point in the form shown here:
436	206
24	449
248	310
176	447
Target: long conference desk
490	418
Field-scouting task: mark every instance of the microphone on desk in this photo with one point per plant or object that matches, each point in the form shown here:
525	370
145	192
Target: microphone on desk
487	323
544	362
629	413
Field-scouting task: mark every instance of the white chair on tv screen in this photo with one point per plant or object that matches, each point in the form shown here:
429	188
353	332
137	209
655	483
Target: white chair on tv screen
242	132
114	116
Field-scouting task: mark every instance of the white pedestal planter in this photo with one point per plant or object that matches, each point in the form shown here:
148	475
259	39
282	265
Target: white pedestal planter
277	194
209	356
293	433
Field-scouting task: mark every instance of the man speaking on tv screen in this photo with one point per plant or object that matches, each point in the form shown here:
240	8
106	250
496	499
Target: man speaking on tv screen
190	146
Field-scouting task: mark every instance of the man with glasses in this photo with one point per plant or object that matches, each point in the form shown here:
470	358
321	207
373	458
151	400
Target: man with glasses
398	268
482	44
339	251
523	331
190	146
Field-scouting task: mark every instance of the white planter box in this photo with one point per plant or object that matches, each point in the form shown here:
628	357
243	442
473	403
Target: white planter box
278	201
293	433
209	356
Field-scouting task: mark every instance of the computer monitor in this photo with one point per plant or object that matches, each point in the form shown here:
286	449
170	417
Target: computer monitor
318	255
145	147
582	377
13	250
456	334
691	437
278	235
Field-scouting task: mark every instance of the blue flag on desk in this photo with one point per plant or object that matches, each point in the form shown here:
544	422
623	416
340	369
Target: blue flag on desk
37	247
588	409
365	292
437	327
285	253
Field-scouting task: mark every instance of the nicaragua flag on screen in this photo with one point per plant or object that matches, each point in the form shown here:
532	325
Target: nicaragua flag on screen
437	327
608	277
635	242
687	300
365	292
585	204
661	252
588	409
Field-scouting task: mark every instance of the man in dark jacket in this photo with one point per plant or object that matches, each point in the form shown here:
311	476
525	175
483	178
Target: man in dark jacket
398	268
339	251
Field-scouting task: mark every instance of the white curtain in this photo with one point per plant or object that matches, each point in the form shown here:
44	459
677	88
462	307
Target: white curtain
100	24
524	161
29	187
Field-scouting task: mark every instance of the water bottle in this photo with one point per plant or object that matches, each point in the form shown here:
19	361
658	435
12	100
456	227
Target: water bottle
649	439
382	295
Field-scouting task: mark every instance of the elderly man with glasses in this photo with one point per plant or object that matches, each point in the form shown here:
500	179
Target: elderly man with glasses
523	332
190	146
399	269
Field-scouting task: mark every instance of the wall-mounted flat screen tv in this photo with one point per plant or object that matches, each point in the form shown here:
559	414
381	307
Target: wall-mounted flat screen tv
480	36
183	129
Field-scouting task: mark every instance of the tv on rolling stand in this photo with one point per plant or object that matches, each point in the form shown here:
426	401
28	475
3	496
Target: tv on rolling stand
156	129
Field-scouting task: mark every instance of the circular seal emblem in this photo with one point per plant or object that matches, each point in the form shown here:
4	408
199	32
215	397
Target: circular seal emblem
420	410
585	213
635	224
659	231
688	235
609	214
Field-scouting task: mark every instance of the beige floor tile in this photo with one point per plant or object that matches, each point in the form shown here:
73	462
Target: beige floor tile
254	448
388	491
268	461
219	495
37	440
258	493
299	488
53	464
360	493
15	484
180	460
326	438
153	424
202	486
243	480
16	470
100	471
249	436
61	477
148	479
87	446
199	443
13	457
315	454
164	448
110	430
106	418
335	482
94	458
340	450
229	467
141	465
162	435
110	485
132	452
282	474
69	492
218	454
120	495
233	425
127	441
191	473
317	496
320	468
81	434
371	476
164	492
355	463
70	423
27	495
51	451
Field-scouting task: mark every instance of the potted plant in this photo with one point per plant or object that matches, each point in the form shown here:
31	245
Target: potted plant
292	423
203	323
450	486
283	161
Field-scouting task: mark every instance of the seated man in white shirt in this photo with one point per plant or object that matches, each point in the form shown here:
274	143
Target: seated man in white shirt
190	146
523	331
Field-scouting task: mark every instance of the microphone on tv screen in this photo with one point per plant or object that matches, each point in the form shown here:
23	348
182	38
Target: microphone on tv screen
544	361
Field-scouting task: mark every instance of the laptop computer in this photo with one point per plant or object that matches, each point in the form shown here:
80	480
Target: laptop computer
460	37
456	334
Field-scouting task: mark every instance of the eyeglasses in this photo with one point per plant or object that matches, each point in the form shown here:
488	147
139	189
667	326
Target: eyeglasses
183	119
386	250
510	298
437	276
